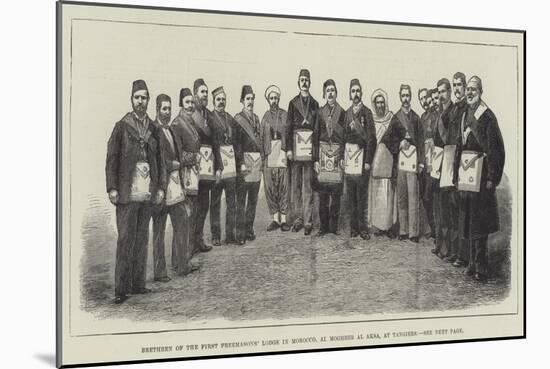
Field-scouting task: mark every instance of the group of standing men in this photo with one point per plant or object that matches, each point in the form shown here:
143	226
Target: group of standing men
384	162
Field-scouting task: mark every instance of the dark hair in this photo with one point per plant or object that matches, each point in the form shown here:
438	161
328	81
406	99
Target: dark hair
422	89
444	81
433	91
404	87
460	76
161	98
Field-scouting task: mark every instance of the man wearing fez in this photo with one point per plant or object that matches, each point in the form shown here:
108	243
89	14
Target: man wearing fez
210	151
187	139
405	130
276	178
328	154
134	181
426	183
478	211
382	214
301	121
249	153
360	131
227	127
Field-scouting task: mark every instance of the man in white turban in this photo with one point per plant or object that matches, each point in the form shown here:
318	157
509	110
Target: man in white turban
381	202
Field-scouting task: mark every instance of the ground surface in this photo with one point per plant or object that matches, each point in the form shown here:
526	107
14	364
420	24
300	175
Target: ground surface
287	275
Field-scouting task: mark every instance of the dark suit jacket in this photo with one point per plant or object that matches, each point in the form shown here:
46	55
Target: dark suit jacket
362	133
187	139
296	116
321	133
209	133
397	131
123	153
244	138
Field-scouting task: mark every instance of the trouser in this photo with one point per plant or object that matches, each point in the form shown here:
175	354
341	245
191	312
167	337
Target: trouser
329	211
202	205
479	256
357	189
247	199
446	216
276	189
408	203
180	240
132	222
302	194
230	186
426	192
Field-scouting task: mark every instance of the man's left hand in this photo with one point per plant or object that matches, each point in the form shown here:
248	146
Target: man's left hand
367	166
160	197
490	185
218	176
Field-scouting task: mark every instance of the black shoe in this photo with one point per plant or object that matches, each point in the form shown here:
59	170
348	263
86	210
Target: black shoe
141	291
480	277
415	239
450	259
230	241
202	247
285	227
273	226
119	299
241	242
216	242
432	235
390	235
163	279
365	235
469	272
321	233
336	232
459	263
307	230
190	269
297	226
250	236
435	251
354	234
403	237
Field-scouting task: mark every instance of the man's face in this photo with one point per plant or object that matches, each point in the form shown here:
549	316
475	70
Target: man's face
202	95
219	102
472	93
422	99
273	100
304	83
380	106
330	94
355	94
248	102
458	89
435	100
140	99
429	101
188	104
443	94
164	112
405	96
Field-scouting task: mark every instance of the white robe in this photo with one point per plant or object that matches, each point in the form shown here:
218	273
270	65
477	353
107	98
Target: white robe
382	210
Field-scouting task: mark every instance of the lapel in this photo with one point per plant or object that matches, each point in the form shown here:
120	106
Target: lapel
474	127
404	121
244	122
189	126
297	102
223	123
358	126
201	122
133	128
336	127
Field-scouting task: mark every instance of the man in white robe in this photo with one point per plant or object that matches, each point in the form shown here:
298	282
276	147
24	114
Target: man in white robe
381	203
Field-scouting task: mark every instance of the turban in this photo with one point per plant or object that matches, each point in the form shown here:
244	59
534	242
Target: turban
329	82
478	82
247	89
270	90
139	85
183	93
217	91
198	83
